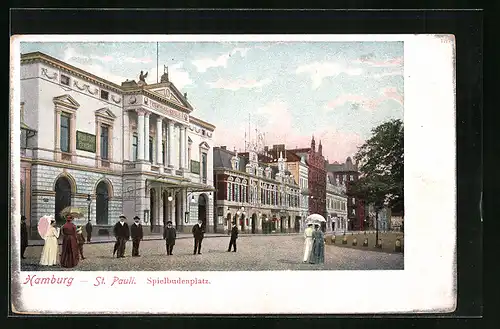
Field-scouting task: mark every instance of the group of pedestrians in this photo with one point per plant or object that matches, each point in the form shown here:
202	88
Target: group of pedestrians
314	245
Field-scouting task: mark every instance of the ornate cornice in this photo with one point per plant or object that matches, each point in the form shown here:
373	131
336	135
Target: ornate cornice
202	124
38	57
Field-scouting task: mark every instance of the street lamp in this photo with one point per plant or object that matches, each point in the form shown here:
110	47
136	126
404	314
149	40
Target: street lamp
170	198
89	202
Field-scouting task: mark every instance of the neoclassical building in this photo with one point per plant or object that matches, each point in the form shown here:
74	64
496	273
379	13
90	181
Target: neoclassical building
133	148
257	196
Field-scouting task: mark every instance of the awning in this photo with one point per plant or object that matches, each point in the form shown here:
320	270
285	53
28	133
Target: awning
26	127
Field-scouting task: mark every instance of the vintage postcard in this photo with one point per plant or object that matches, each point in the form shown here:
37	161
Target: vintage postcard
255	166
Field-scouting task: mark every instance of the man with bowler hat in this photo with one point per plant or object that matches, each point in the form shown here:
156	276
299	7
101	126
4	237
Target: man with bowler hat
137	234
122	234
198	236
234	236
88	230
169	235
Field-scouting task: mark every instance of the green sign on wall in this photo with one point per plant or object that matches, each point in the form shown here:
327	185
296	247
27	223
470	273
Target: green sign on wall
85	142
195	167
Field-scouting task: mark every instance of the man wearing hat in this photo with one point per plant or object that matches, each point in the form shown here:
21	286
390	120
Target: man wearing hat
169	235
122	234
308	242
81	240
198	234
88	230
137	234
234	236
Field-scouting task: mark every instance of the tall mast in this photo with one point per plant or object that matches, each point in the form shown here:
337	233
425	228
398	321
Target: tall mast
157	60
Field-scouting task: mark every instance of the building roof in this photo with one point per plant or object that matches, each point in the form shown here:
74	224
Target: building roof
222	158
201	123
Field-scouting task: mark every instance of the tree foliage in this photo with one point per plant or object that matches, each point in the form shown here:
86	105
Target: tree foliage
381	163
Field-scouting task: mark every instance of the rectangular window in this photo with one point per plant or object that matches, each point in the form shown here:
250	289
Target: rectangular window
228	192
65	133
64	80
204	167
151	150
104	142
134	147
104	94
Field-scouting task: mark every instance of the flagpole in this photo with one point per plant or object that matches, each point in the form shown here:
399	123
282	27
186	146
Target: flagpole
157	60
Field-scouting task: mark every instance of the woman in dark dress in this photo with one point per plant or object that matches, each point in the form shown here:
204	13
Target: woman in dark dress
69	250
318	249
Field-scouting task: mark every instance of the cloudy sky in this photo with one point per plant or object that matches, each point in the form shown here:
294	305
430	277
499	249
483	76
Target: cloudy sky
336	91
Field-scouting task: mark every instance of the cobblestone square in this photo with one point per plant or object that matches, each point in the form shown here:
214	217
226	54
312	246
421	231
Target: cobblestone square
254	253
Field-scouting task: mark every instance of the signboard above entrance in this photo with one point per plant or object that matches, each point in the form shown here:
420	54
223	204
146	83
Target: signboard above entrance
167	110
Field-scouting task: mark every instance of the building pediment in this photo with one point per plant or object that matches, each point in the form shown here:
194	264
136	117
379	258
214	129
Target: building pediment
66	101
105	113
204	145
170	92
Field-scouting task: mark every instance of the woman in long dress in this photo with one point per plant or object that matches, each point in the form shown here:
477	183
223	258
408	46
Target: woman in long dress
49	252
318	250
69	253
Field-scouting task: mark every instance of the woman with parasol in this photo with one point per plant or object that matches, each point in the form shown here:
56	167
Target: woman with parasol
48	231
70	252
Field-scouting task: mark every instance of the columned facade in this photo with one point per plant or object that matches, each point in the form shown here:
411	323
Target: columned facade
111	149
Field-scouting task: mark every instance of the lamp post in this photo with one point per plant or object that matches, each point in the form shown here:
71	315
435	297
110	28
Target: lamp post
89	202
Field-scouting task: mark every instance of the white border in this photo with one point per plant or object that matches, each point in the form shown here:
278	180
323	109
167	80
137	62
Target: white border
428	282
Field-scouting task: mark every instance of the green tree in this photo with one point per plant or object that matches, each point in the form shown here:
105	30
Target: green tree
381	163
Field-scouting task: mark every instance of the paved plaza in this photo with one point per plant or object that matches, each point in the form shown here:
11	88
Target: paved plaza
255	253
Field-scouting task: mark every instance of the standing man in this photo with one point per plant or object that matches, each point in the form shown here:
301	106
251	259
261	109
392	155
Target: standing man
122	234
234	236
81	241
137	235
198	236
308	242
169	235
88	230
24	236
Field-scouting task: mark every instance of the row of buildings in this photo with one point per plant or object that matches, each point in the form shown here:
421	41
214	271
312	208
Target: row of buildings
138	149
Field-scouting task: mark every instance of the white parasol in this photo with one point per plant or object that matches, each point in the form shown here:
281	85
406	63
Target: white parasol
43	225
316	218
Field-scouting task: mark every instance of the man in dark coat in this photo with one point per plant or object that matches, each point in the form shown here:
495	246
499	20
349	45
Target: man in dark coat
88	230
137	234
24	236
198	237
122	234
234	236
169	235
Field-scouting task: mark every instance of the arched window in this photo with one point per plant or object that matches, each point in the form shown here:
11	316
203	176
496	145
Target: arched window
102	202
63	197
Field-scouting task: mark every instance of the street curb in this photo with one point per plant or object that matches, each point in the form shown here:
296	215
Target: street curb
182	237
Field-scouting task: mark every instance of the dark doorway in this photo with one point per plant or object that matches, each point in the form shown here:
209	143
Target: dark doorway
178	214
254	220
165	208
243	221
281	224
152	209
63	198
101	208
297	224
202	210
289	227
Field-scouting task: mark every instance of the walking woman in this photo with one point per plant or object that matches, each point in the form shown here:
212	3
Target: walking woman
49	251
318	249
69	254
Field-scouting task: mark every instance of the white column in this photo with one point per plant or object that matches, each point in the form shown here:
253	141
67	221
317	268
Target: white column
170	142
186	165
146	136
182	141
159	138
126	136
140	135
